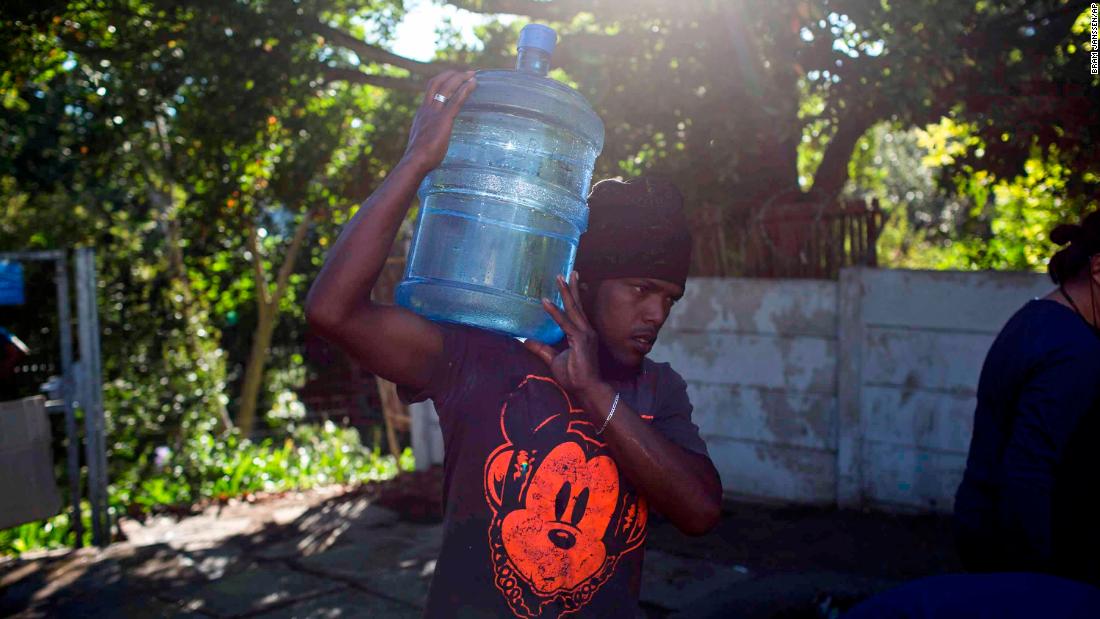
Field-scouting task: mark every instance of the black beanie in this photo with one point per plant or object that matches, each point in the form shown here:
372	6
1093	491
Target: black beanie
636	228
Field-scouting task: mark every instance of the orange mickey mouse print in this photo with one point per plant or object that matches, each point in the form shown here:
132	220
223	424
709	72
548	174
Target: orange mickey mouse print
569	504
562	517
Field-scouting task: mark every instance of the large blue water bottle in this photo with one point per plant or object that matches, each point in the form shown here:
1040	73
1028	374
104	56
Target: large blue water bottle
501	216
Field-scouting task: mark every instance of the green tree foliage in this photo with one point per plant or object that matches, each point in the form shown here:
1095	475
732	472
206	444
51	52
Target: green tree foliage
711	93
941	217
195	146
1016	157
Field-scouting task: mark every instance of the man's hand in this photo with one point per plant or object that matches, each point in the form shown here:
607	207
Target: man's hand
576	368
431	128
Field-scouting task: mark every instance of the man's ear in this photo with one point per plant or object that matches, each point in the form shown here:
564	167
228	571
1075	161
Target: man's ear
1094	263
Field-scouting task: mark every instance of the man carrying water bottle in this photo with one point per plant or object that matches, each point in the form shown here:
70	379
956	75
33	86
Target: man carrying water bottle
553	453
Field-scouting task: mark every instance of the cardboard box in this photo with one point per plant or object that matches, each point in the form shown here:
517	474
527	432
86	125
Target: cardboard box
28	488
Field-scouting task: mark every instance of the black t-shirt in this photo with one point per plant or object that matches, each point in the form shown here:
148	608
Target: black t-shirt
538	522
1028	499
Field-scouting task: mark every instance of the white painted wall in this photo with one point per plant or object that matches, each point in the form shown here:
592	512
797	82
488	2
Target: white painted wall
759	357
915	341
426	435
858	392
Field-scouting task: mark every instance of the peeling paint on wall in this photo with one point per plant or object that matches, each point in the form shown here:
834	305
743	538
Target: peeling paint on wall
761	358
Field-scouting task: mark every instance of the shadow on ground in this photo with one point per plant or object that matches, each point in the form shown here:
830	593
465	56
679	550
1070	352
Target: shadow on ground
371	553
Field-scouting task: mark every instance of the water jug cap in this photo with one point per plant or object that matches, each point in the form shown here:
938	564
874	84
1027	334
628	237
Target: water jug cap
538	36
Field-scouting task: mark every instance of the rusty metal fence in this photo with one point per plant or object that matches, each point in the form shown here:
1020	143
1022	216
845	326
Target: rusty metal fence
790	236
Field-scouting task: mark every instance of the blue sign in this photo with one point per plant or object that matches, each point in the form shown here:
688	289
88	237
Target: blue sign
11	283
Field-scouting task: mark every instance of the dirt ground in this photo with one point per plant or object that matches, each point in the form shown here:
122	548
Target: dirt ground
370	552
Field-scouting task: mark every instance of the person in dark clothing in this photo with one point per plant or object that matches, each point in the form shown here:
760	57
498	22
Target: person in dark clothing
552	454
983	596
1027	499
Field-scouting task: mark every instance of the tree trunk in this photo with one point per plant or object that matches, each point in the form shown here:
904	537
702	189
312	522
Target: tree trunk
267	319
832	174
254	371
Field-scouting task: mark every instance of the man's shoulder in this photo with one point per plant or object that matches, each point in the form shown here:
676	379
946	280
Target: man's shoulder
668	388
488	356
481	338
1059	336
665	376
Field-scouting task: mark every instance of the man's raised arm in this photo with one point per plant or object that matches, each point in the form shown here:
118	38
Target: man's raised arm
391	342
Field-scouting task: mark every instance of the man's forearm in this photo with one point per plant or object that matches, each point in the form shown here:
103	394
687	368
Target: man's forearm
356	259
681	485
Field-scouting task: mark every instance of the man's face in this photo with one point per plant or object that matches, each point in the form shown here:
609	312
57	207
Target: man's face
628	314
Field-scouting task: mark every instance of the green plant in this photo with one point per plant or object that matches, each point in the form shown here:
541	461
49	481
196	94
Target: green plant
56	532
219	468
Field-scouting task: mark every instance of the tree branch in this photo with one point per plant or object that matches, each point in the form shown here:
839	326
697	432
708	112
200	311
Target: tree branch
832	173
373	53
566	10
262	294
1012	22
354	76
291	257
556	10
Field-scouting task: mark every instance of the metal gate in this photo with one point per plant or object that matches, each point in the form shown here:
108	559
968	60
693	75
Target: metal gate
81	384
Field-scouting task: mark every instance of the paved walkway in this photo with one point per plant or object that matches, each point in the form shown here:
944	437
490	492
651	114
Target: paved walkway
330	553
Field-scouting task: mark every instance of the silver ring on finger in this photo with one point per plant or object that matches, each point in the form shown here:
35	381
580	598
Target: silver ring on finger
441	98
